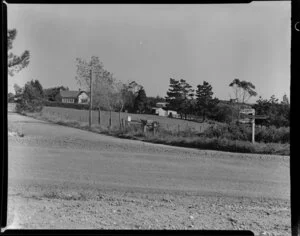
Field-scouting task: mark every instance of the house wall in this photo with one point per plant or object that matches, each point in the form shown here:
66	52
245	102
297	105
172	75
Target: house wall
68	100
174	113
161	112
83	98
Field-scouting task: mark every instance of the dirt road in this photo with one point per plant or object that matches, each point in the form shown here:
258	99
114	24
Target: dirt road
61	177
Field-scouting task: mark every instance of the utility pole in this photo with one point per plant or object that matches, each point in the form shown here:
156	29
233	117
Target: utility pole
253	127
90	110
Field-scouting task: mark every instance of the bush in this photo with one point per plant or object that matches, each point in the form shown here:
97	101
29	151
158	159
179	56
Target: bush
34	105
244	133
272	134
223	113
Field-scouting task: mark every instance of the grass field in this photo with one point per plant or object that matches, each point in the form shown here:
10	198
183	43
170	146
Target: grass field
171	124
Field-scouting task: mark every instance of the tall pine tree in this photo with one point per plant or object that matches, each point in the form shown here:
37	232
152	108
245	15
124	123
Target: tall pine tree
205	101
187	94
140	102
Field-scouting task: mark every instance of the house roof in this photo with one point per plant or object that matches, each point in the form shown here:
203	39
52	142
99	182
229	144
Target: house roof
70	94
157	108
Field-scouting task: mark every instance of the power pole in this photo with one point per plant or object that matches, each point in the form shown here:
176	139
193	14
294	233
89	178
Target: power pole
90	110
253	128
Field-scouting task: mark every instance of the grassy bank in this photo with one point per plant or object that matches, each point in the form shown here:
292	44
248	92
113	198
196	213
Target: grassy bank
185	138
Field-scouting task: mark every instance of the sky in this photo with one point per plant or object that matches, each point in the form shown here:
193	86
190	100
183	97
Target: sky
152	43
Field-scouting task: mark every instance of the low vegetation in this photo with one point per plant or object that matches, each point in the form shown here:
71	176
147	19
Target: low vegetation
209	140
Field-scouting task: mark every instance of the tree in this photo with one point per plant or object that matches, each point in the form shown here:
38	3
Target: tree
179	96
15	63
10	97
128	93
31	98
278	113
173	97
140	101
205	101
243	90
103	84
17	89
187	95
285	100
134	87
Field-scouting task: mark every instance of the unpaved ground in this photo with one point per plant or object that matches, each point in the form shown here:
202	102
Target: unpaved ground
61	177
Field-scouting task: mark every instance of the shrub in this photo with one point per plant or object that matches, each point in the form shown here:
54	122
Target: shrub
244	133
34	105
272	134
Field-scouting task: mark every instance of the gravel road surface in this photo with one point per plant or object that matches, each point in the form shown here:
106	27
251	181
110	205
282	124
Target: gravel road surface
61	177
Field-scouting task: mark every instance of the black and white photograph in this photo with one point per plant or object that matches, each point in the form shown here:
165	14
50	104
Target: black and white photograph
149	116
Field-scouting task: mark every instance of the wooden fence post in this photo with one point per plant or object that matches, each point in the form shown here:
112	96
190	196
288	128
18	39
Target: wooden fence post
120	119
99	116
109	120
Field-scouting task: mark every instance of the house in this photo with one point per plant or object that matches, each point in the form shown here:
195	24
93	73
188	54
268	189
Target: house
159	111
78	97
173	114
163	112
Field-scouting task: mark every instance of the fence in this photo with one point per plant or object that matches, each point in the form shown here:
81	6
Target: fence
114	119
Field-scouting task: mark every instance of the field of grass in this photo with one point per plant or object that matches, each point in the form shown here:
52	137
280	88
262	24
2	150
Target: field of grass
170	124
184	138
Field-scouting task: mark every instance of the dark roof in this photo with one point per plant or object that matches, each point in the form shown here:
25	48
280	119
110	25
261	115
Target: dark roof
70	94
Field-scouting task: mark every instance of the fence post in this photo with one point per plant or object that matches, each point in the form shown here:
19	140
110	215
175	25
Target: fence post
99	116
120	119
253	130
110	119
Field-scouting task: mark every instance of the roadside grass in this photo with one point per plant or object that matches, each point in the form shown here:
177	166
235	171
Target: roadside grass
185	138
15	130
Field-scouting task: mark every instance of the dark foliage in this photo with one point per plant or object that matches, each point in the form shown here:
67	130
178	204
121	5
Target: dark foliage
31	99
68	105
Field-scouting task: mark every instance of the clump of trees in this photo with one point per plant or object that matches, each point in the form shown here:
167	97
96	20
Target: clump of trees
179	97
31	97
187	102
107	92
278	112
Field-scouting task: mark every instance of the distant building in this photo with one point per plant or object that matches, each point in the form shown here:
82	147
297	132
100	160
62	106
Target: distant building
78	97
164	112
161	104
159	111
173	114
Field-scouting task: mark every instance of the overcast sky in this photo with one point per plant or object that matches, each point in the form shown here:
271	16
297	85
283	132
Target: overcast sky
152	43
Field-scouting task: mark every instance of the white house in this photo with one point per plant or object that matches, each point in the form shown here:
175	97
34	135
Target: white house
163	112
160	111
173	113
80	97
